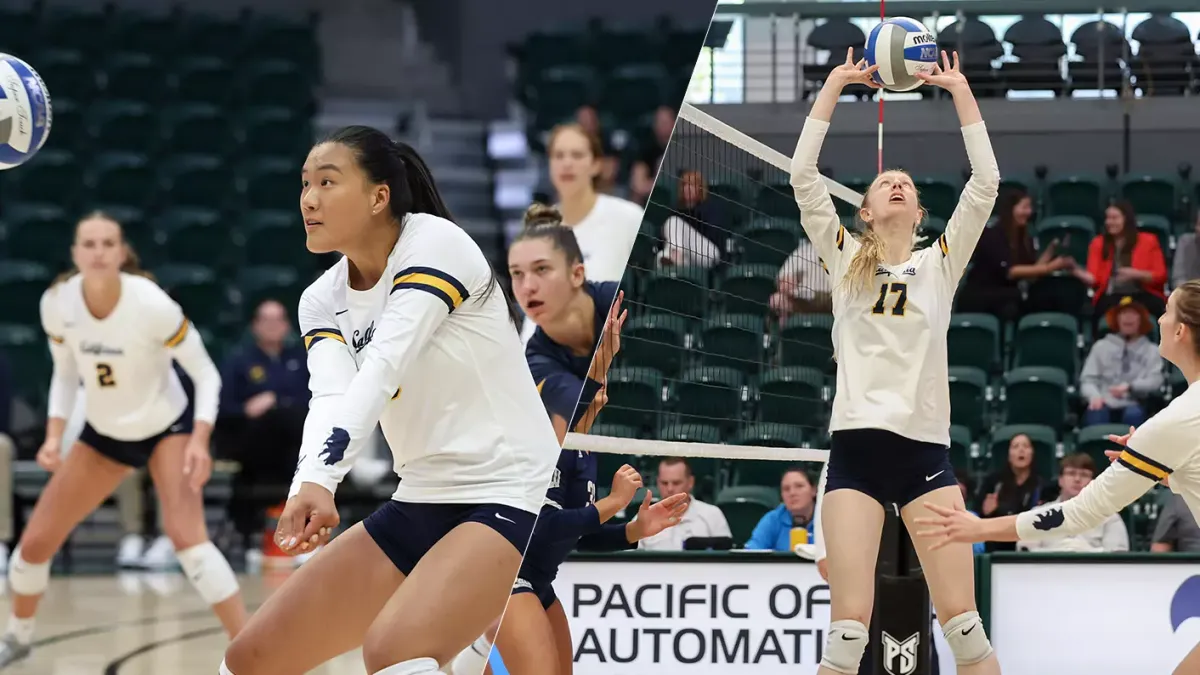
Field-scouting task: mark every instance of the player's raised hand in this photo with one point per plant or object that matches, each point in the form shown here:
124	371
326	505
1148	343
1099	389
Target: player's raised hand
307	521
1120	440
625	484
946	74
949	526
853	72
654	518
610	339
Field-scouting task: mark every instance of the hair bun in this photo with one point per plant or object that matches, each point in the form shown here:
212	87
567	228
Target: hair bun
541	214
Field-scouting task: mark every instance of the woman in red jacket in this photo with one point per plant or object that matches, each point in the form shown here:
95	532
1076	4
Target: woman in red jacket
1124	262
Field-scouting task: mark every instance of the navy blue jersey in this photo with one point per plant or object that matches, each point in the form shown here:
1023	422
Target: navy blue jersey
561	376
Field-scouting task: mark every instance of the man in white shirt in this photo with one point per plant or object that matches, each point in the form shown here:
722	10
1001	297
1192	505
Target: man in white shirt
700	520
1075	472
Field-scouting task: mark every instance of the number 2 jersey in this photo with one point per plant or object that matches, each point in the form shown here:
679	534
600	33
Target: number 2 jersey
430	354
124	360
890	337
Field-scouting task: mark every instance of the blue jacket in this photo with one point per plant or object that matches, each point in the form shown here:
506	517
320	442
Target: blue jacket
774	531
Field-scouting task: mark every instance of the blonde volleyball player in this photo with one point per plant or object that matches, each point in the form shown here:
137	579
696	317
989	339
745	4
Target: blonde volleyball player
409	330
891	413
1165	448
579	328
118	331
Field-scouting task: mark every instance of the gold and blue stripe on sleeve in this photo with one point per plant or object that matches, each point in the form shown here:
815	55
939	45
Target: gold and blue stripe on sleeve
1143	465
433	281
942	244
315	335
840	237
56	339
179	334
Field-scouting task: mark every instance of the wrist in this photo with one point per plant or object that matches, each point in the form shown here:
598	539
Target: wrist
633	532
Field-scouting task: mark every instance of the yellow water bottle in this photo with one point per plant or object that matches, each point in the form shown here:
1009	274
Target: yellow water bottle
799	536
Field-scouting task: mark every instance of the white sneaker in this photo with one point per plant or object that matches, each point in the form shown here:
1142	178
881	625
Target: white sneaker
129	553
160	555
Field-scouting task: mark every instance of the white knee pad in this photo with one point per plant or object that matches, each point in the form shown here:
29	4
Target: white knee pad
844	646
26	578
422	666
225	669
472	659
967	639
209	572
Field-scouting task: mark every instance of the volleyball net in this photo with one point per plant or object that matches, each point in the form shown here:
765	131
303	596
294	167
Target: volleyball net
726	357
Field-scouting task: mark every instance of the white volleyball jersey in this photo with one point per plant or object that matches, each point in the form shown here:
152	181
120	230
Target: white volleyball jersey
430	355
1166	446
606	235
124	360
890	338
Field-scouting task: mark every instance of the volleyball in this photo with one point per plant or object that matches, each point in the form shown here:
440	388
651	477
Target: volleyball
901	47
24	112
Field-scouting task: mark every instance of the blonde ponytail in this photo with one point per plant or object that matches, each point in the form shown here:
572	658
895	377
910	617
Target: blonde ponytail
865	261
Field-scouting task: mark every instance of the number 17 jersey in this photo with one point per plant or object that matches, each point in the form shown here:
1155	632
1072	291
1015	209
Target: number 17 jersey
889	337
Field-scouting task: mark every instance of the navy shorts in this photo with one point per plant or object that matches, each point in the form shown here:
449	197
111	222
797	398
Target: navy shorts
405	531
544	590
134	453
887	466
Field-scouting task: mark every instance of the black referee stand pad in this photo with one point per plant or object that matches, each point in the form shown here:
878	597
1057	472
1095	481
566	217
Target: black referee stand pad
901	642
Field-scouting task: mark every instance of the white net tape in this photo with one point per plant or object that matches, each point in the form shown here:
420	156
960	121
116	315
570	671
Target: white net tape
633	446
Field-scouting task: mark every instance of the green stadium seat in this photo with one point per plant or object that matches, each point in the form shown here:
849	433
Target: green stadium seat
123	178
792	395
66	72
556	94
645	245
123	126
1027	184
960	447
744	506
1160	227
197	128
770	242
276	131
83	29
18	31
1036	395
194	236
633	91
627	48
22	283
204	79
1048	339
635	397
200	181
807	340
135	76
734	341
614	431
777	200
765	472
1060	292
1045	447
680	290
747	289
28	356
546	50
210	35
656	341
938	196
272	183
974	340
1075	195
276	238
277	82
281	38
1151	195
707	395
968	398
151	33
269	282
40	232
706	470
42	178
1094	441
726	193
69	129
197	290
1074	235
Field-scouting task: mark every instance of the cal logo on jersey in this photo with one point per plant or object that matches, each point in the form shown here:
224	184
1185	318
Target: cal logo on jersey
360	340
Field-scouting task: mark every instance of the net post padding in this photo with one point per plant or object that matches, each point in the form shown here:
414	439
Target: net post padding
631	446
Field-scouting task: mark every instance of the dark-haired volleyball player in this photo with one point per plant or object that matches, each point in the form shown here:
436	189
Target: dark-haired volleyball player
408	330
112	327
575	318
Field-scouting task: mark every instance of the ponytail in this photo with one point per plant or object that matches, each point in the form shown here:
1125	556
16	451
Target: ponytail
865	261
546	222
132	264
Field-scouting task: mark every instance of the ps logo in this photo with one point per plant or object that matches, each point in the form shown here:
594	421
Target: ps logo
900	658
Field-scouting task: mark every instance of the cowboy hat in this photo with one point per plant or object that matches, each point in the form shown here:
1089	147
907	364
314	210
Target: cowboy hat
1127	302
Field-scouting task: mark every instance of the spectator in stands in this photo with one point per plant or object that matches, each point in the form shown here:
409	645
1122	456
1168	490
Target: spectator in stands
700	520
1187	256
650	153
802	285
697	233
1004	257
265	399
1013	488
964	485
1123	261
1122	369
1075	472
1176	530
588	117
774	531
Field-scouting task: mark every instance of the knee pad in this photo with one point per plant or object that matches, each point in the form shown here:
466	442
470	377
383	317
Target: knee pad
26	578
422	666
967	639
209	572
472	660
226	671
845	646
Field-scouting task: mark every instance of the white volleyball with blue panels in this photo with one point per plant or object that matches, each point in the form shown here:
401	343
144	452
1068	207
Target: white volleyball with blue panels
24	112
901	47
